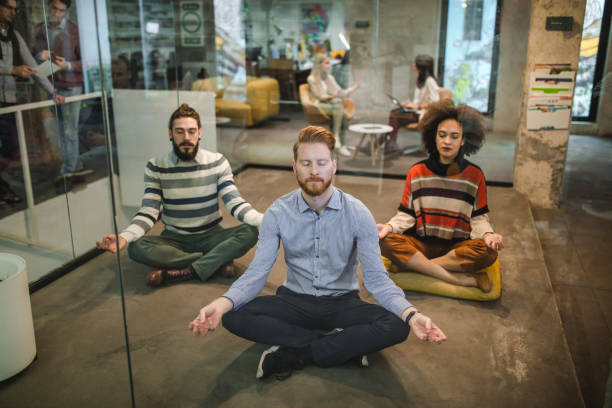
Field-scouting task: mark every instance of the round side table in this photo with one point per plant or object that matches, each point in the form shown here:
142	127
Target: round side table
372	130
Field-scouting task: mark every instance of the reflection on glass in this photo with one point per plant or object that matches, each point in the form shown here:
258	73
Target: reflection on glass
468	58
52	155
588	58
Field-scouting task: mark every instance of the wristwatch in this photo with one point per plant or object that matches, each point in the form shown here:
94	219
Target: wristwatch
410	316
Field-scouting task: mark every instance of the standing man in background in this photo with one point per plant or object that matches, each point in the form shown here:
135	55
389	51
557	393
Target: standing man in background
58	41
16	63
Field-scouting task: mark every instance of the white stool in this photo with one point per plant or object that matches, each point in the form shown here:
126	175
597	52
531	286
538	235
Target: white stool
17	345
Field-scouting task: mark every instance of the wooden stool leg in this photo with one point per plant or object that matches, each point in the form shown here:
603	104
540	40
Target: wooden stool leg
358	147
379	148
373	149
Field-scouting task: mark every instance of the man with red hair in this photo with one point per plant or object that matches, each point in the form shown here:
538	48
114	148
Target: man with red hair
323	231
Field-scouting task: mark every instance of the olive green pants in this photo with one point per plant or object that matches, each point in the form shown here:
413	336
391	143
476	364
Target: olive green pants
205	252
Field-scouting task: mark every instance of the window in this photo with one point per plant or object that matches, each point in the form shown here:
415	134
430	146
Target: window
469	51
592	58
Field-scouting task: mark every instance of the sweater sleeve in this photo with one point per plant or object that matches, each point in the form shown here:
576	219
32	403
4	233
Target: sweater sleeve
479	221
401	222
236	205
333	87
146	217
480	201
28	59
75	65
405	218
5	67
480	225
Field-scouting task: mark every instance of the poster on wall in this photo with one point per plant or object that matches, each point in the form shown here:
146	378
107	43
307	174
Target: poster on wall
192	24
315	21
551	88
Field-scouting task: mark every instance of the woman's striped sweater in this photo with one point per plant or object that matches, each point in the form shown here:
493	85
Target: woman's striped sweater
186	194
444	201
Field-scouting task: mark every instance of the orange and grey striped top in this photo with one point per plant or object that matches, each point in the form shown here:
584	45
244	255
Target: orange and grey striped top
444	199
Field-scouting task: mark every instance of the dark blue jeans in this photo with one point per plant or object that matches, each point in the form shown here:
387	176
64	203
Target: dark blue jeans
291	319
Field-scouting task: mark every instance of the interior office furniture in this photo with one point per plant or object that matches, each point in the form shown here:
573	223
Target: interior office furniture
373	130
261	102
314	114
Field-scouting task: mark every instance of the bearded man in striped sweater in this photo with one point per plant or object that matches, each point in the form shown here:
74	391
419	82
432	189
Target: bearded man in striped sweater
184	186
442	228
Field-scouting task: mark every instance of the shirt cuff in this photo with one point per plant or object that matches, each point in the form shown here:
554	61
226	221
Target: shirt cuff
398	306
234	297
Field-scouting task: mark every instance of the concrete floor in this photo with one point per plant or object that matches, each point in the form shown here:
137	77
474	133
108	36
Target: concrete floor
507	353
574	239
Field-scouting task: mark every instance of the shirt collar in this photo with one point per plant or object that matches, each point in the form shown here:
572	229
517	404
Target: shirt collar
334	202
60	26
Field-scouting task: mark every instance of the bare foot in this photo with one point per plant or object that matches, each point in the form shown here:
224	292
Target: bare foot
483	282
465	279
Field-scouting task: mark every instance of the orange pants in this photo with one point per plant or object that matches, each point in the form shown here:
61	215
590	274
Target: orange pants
473	254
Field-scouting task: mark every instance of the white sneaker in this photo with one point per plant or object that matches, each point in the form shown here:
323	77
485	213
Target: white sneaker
260	371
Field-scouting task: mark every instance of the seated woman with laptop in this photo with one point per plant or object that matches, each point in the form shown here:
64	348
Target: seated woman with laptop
425	93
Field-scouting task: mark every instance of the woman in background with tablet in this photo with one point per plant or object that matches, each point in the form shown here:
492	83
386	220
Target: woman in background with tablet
426	92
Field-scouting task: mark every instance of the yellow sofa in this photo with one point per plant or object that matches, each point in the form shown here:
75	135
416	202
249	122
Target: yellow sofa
262	99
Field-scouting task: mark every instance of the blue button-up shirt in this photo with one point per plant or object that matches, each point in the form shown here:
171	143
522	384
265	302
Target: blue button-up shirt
320	251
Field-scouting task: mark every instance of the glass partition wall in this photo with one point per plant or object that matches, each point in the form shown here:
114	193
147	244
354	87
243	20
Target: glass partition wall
77	168
56	164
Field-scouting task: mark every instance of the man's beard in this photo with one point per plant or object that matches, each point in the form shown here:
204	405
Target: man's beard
316	189
185	156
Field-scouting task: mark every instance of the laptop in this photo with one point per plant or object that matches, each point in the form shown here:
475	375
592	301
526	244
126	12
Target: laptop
399	105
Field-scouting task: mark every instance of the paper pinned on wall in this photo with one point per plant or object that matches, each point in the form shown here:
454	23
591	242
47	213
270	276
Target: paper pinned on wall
45	69
551	89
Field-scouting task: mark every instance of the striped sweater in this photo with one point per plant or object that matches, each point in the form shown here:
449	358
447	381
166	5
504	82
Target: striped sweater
448	202
188	193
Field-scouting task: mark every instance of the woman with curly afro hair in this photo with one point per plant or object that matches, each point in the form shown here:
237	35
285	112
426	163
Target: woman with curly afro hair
441	228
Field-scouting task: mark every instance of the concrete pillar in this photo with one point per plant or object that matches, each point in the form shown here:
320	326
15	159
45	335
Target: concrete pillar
540	155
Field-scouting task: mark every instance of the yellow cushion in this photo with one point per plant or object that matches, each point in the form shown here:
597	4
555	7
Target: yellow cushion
423	283
239	112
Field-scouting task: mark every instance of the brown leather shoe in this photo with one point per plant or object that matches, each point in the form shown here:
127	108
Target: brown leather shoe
158	277
483	282
155	277
228	271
